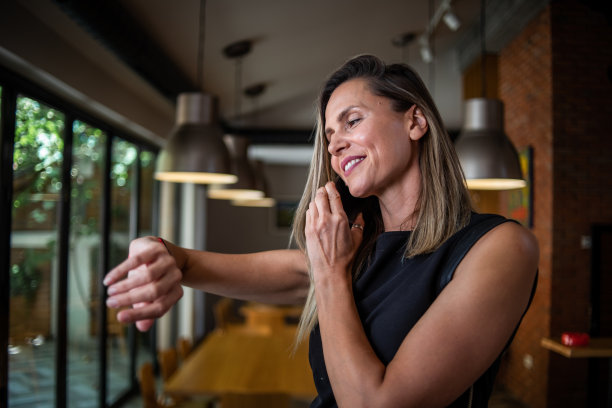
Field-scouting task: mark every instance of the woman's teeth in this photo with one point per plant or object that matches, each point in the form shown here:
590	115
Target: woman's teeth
350	164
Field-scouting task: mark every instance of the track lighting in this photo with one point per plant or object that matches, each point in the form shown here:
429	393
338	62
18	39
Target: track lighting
451	20
425	48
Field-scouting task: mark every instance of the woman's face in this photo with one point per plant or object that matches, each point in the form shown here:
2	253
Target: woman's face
370	143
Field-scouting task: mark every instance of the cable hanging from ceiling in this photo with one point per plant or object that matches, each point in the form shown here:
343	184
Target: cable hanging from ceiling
195	151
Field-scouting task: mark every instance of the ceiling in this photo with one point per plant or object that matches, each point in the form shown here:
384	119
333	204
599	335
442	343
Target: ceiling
295	46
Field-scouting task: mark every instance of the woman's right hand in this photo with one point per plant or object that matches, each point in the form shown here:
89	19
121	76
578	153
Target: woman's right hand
151	286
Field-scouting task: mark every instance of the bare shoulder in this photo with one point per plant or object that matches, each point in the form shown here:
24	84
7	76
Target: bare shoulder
511	240
508	248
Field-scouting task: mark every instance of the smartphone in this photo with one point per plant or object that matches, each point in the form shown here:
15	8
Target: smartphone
352	205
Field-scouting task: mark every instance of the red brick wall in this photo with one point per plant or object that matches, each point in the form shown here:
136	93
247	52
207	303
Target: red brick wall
558	98
526	89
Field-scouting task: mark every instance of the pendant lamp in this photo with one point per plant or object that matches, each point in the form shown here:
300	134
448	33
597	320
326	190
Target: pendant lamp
195	152
245	187
487	156
262	185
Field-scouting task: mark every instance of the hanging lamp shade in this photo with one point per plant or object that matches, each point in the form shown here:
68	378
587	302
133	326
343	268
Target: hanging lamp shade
195	152
488	158
261	183
246	187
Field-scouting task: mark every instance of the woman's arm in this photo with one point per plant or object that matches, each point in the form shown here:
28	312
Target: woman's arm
155	275
454	342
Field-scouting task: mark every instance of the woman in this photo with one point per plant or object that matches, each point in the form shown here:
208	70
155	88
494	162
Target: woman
410	302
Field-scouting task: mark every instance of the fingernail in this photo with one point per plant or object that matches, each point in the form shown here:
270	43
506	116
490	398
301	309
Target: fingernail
111	291
106	281
111	302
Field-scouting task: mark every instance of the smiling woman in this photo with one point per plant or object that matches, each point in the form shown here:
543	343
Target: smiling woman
393	262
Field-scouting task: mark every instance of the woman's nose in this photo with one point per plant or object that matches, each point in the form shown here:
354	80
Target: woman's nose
336	145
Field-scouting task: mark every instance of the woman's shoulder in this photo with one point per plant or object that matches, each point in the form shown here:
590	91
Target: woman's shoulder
508	243
487	240
497	230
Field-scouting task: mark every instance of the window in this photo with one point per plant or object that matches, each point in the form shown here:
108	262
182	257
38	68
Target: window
79	191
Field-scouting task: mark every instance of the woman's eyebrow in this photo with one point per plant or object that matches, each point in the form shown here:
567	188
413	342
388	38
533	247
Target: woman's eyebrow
340	118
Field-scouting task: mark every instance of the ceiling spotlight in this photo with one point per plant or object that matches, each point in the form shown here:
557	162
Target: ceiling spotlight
451	20
426	52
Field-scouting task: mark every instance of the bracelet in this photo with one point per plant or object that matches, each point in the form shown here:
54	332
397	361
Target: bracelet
164	244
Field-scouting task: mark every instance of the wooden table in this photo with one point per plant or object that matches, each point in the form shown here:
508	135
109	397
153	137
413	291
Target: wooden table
251	358
597	348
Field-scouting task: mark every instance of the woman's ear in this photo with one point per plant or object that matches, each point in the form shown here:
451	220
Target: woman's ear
416	122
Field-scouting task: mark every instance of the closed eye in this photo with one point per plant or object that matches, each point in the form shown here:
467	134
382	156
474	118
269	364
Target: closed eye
351	123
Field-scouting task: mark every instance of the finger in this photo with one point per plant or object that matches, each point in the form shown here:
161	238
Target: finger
313	212
151	310
335	202
357	232
146	293
144	325
322	201
124	267
142	275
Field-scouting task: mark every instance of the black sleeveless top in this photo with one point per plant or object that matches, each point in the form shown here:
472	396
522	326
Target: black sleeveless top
393	293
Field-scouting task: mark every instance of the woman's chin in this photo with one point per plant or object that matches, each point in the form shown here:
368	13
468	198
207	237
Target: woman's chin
358	191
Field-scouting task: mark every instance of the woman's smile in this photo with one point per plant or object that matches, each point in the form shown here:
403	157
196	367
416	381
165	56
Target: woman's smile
349	163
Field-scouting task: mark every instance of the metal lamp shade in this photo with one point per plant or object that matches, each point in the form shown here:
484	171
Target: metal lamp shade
261	183
246	187
488	158
195	152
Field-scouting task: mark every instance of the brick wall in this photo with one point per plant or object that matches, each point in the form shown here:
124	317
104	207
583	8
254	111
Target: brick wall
554	81
526	89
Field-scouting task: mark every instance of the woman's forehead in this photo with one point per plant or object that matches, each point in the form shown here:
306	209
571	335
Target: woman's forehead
354	92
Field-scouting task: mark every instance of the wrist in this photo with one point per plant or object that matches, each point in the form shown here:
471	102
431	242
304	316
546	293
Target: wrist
333	281
160	239
175	252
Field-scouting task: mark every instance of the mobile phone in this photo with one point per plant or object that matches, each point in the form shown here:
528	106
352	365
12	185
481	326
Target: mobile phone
352	205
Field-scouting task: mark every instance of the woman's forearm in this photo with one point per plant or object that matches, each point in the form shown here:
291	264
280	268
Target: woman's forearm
278	276
354	370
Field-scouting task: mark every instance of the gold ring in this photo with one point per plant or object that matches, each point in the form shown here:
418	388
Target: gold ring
357	226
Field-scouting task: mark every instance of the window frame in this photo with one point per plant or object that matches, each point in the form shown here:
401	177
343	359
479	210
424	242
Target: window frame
13	86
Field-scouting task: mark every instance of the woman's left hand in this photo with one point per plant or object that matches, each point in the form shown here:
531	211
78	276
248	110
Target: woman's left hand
330	241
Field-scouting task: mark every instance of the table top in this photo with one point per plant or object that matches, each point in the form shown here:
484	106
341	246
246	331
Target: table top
597	347
243	359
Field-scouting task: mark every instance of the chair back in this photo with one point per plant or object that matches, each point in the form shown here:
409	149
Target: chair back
183	347
168	362
148	390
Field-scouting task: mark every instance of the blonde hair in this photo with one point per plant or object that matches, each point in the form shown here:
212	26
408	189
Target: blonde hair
443	206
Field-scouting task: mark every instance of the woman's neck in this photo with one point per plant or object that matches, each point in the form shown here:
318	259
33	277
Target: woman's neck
399	206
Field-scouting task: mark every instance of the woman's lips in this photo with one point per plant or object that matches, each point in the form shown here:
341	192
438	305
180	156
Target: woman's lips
350	162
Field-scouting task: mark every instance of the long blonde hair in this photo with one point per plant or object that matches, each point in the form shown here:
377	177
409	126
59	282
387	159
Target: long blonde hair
443	206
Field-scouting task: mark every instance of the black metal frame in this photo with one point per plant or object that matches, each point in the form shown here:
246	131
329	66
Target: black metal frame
597	390
7	135
13	84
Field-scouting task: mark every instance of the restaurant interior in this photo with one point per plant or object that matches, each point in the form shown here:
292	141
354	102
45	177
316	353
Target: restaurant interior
96	102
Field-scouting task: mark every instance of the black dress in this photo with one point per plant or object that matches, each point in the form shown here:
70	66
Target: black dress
392	295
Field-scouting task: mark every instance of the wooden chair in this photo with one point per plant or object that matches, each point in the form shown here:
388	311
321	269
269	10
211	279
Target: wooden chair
148	388
183	347
168	362
224	313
